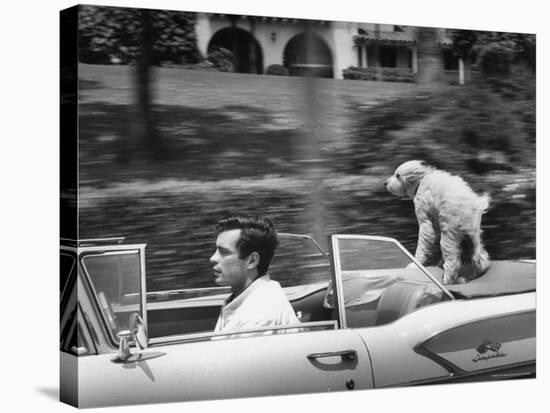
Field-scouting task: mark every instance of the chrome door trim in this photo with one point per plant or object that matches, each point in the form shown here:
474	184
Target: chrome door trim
167	340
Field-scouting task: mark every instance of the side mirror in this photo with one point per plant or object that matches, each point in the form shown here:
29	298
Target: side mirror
137	332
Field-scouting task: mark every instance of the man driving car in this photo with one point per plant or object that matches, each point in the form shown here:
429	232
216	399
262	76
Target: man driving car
244	249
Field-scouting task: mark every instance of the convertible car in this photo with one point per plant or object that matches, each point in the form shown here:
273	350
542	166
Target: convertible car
370	317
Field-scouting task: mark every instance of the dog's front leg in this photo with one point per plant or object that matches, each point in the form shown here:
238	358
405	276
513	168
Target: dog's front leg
428	238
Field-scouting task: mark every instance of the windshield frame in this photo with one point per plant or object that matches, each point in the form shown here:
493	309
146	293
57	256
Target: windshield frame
94	251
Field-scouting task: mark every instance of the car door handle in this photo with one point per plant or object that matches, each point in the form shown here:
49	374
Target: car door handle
345	354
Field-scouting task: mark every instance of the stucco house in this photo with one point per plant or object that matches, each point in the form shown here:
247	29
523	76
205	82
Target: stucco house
319	47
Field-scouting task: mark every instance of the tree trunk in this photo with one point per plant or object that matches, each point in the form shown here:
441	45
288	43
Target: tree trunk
145	130
430	60
467	69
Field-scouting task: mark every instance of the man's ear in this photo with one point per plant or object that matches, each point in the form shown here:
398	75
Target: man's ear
253	261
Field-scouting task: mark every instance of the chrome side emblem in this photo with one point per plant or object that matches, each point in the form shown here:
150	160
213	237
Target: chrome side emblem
488	350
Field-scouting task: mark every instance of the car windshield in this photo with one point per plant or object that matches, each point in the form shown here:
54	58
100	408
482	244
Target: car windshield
116	279
371	254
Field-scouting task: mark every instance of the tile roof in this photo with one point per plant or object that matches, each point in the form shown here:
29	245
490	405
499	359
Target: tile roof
405	37
445	39
384	37
267	19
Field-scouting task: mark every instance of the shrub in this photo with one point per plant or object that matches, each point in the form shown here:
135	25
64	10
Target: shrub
359	73
277	70
386	74
221	58
496	58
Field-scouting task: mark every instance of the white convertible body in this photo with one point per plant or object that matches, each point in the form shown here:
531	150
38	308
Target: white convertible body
375	321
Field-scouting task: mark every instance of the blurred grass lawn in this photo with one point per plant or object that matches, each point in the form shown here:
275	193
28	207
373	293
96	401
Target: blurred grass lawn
309	153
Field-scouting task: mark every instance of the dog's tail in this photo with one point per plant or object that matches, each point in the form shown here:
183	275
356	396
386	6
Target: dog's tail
484	201
480	257
482	207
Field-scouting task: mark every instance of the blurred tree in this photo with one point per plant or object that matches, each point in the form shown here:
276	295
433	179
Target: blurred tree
496	52
144	37
505	53
114	35
463	43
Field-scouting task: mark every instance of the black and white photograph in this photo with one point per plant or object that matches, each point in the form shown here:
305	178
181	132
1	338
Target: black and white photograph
261	204
269	205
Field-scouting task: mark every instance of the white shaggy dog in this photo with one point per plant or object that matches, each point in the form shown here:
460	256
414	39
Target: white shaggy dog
448	212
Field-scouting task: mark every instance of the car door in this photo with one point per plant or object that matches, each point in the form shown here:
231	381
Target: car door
275	364
414	329
314	356
377	287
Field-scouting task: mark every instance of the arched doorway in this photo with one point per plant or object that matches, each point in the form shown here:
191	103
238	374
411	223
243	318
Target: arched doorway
307	54
247	53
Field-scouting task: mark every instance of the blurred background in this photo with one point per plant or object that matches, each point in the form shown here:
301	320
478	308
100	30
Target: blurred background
176	133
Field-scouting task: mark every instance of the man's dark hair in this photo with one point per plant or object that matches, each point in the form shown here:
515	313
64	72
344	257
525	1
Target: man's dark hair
257	235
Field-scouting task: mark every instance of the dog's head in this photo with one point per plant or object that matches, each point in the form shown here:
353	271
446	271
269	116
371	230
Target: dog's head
404	182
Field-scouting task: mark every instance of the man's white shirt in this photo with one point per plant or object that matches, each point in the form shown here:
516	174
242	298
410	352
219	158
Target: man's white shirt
262	304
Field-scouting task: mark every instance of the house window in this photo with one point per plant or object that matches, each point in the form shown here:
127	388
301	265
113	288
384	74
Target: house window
359	55
450	60
388	56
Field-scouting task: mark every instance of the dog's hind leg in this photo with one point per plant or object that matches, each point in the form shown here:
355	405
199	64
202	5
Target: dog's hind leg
480	257
451	252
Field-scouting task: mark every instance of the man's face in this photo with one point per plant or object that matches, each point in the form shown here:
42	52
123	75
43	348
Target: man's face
229	269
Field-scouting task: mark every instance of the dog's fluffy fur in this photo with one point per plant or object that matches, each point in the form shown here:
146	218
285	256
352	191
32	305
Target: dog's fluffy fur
448	212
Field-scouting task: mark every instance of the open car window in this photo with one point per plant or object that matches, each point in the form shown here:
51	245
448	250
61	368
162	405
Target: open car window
300	266
378	281
303	269
298	260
